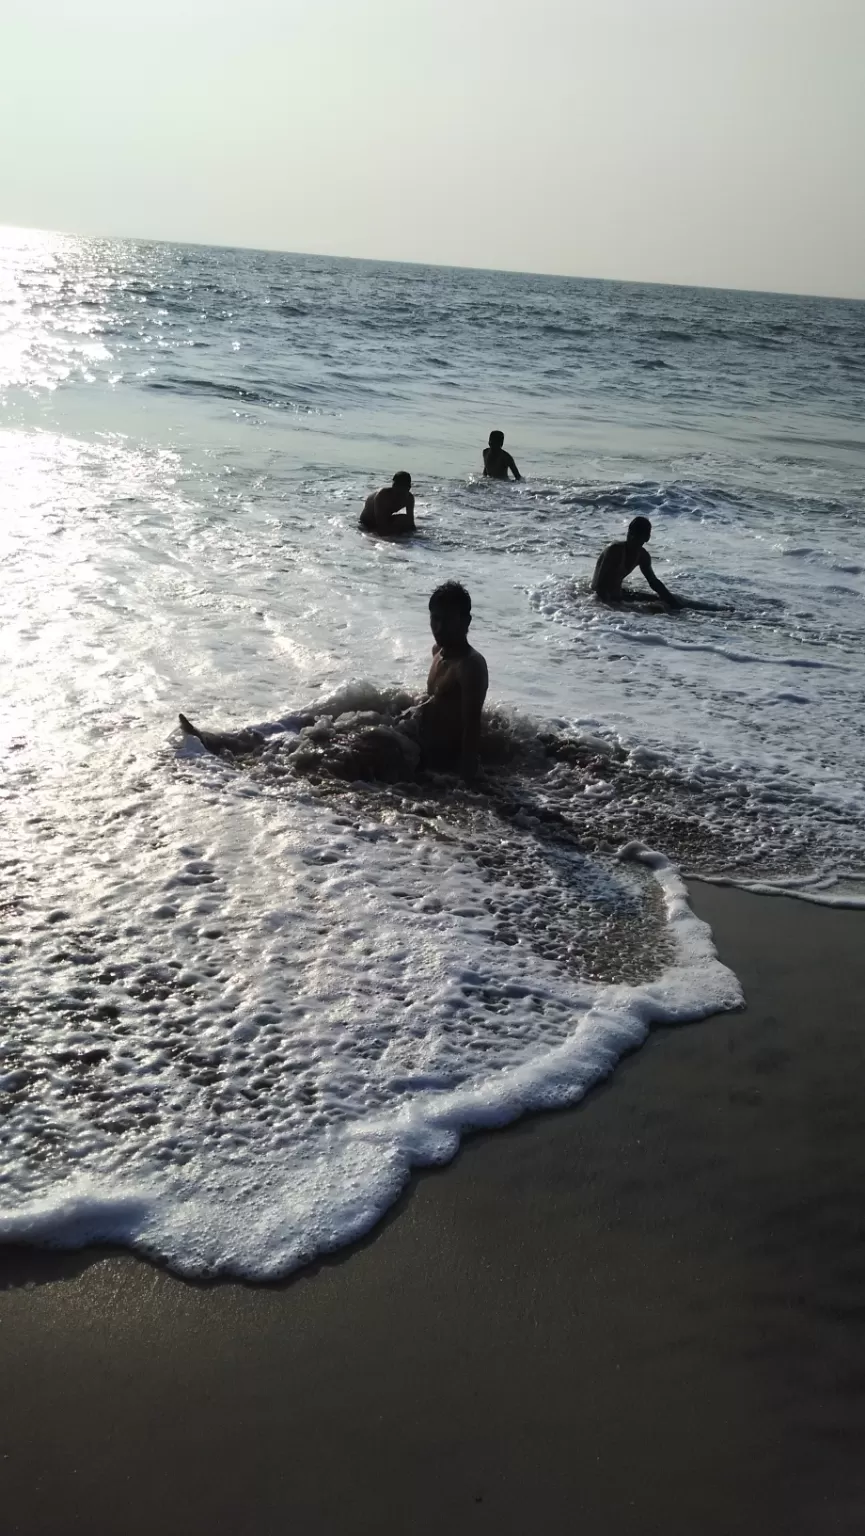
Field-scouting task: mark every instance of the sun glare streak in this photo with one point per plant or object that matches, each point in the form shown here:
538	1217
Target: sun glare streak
70	510
52	310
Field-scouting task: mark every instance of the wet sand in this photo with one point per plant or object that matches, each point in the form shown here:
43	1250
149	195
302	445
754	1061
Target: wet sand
646	1314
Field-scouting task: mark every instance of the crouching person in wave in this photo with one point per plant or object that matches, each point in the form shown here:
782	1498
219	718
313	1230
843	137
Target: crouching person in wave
389	512
617	562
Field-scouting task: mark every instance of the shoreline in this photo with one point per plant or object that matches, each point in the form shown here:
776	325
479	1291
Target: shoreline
641	1313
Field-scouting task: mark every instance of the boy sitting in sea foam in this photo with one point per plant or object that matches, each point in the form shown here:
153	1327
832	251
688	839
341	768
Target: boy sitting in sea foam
442	733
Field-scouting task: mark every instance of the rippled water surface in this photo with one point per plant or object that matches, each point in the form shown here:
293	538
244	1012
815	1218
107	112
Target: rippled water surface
243	1001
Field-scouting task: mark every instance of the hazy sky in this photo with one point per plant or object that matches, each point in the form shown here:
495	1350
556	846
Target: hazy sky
705	141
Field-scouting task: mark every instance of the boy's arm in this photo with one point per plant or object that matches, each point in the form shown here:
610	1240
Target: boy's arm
486	461
655	582
513	468
409	507
473	686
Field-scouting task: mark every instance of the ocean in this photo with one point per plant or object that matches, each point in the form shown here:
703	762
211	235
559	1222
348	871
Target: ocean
242	1000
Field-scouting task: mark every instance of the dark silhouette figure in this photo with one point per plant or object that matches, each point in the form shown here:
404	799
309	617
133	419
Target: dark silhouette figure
450	718
497	461
442	733
619	560
389	512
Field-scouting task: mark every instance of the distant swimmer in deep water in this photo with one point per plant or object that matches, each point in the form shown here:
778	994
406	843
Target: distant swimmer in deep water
619	560
442	733
390	511
497	461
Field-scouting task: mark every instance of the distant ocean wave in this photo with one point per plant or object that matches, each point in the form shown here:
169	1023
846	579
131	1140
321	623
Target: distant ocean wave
222	389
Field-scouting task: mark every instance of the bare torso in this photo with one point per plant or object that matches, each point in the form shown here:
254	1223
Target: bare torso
615	563
451	716
497	462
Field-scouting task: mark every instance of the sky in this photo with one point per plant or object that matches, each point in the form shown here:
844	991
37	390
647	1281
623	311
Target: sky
717	142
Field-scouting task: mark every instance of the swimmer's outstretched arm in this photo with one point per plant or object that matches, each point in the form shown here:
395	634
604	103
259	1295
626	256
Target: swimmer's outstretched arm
665	594
656	583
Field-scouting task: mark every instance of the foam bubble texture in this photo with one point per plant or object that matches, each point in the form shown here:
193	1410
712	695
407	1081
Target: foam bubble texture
228	1049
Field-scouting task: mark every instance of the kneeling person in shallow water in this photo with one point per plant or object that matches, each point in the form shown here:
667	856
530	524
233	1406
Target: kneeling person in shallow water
442	734
389	512
619	560
497	461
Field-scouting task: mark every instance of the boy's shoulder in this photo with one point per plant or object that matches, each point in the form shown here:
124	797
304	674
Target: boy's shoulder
475	663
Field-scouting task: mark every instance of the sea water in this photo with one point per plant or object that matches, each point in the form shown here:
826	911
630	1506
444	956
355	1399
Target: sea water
240	1001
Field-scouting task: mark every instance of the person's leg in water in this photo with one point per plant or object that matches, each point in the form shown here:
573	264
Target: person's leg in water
388	753
239	743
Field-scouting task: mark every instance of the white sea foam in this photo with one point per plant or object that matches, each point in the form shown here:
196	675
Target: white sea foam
842	888
231	1056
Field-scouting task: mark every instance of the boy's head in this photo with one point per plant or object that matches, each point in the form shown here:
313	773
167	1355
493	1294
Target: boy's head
450	613
402	480
640	530
497	439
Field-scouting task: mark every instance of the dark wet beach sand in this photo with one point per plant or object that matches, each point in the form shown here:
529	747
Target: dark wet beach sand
643	1315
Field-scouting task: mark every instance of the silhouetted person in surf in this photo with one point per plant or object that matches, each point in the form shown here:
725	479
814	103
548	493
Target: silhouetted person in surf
389	512
450	718
619	560
497	461
442	733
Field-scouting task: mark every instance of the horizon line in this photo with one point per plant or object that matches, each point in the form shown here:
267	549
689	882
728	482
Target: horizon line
390	261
